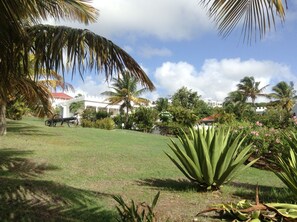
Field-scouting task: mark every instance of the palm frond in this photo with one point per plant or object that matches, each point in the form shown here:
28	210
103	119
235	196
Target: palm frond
258	16
83	50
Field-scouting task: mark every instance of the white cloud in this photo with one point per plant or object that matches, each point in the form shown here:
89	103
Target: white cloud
217	78
166	19
92	85
148	52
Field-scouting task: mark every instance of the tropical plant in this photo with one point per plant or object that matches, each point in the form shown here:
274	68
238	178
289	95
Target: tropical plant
288	165
162	104
249	88
125	92
54	47
185	98
105	123
257	17
141	212
284	96
144	118
210	157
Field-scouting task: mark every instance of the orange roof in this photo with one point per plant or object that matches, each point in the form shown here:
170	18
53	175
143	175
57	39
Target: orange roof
61	96
211	118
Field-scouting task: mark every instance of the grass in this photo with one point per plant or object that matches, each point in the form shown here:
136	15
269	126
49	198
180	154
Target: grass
69	174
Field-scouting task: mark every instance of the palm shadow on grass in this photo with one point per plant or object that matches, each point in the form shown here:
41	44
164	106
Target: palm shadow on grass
24	197
14	126
170	184
267	194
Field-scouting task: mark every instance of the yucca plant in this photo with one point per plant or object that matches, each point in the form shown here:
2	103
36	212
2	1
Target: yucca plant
288	165
210	157
141	212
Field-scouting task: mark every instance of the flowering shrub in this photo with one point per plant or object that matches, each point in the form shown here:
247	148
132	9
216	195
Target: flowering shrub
266	141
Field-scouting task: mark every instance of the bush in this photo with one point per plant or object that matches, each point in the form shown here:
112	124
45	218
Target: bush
288	165
106	123
144	118
266	142
102	114
86	123
210	157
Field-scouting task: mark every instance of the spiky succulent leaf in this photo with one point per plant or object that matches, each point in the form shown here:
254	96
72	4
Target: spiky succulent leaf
210	156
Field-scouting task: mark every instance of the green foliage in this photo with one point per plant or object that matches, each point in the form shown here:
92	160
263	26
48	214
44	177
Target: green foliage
288	165
101	114
275	118
266	142
141	212
165	117
184	97
162	104
89	114
144	118
245	211
182	116
76	106
16	109
210	157
106	123
86	123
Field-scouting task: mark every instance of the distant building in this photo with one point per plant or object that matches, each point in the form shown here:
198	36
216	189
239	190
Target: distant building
213	103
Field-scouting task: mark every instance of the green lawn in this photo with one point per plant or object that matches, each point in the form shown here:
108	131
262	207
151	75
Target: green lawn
69	174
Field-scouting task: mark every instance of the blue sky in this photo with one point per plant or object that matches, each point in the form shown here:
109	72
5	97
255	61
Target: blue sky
178	45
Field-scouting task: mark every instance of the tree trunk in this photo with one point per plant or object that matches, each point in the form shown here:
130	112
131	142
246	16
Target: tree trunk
127	117
2	117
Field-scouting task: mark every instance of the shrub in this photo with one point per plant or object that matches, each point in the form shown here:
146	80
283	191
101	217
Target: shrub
136	212
102	114
144	118
210	157
106	123
165	117
288	166
86	123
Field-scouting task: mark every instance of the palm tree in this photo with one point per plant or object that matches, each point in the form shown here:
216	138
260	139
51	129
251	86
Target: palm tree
54	47
34	91
250	88
257	17
236	103
284	95
125	92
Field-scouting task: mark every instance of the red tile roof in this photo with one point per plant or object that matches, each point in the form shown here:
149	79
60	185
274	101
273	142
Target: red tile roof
61	96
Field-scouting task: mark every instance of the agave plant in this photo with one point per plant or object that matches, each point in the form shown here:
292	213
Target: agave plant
210	157
141	212
288	165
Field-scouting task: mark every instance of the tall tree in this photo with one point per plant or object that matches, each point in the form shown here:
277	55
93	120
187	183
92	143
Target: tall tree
185	98
125	92
250	88
284	95
54	47
162	104
257	17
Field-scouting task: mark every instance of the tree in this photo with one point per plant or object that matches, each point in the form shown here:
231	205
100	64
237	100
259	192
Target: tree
125	92
185	98
284	96
162	104
250	88
22	34
236	103
258	16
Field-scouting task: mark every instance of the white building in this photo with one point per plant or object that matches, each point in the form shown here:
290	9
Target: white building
64	101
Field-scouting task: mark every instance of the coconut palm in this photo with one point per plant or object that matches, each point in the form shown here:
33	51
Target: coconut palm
125	92
54	47
284	95
35	93
250	88
257	17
